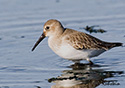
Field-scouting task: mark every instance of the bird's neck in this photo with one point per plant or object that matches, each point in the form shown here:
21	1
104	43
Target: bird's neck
55	40
60	32
54	43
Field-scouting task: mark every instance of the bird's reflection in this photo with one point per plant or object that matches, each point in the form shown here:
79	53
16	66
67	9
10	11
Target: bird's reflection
84	76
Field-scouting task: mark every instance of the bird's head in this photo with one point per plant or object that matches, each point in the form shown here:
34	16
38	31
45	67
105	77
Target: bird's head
51	28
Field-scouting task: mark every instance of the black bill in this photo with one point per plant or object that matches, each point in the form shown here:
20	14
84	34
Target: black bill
39	40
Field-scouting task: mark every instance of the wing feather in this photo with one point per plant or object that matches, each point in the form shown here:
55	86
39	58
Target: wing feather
80	40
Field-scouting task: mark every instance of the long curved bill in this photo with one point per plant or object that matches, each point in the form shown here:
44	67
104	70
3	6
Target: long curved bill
39	40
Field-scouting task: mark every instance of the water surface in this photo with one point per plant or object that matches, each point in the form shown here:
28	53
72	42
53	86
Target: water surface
21	23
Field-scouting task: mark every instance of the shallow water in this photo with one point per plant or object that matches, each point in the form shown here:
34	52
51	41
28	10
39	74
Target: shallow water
21	23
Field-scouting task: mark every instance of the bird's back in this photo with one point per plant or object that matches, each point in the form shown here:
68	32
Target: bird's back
80	40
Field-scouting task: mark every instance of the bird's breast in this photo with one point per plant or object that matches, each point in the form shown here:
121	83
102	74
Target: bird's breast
54	44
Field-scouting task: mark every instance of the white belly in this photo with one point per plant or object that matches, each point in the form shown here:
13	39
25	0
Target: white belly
70	53
66	51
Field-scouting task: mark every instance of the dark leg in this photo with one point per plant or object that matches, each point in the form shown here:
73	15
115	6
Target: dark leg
76	61
90	62
77	65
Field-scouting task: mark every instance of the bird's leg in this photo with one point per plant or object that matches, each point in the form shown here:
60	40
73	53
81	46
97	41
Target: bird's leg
90	62
76	61
77	65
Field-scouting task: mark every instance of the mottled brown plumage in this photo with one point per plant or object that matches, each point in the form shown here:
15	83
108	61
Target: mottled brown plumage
80	40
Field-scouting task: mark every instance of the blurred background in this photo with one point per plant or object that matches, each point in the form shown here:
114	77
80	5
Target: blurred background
21	24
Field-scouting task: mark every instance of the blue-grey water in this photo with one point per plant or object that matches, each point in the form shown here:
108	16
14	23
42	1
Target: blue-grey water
21	23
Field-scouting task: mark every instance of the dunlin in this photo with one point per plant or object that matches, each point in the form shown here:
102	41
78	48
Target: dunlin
71	44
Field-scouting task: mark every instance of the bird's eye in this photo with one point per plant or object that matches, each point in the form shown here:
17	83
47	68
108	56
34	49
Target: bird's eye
47	27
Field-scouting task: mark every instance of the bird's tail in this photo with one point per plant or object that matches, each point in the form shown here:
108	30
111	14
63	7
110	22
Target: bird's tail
111	45
118	44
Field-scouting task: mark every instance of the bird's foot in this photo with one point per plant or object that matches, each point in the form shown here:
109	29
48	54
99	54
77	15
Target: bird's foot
78	66
91	63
